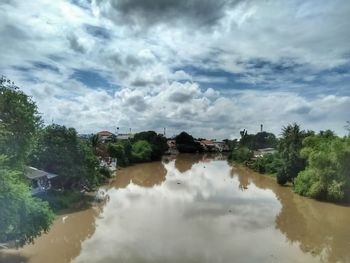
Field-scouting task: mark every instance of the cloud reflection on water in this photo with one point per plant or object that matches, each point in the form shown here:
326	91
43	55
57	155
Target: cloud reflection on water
198	215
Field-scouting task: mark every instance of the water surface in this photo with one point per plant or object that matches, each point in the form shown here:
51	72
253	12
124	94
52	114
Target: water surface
195	208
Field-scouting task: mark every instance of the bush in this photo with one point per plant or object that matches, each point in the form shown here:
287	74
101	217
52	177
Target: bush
241	154
141	151
327	174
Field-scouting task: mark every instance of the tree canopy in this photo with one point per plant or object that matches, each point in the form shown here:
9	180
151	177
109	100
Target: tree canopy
60	151
327	173
185	143
23	217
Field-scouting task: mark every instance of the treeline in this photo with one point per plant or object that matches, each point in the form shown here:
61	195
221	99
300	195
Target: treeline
25	141
143	147
317	165
23	217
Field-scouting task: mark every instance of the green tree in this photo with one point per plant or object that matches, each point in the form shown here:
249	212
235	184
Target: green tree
327	174
116	150
289	148
60	151
241	154
23	217
185	143
19	119
141	151
157	141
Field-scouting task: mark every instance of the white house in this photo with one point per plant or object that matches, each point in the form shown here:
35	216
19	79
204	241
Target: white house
40	180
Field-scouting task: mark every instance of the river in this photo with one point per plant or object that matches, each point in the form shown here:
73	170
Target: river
195	208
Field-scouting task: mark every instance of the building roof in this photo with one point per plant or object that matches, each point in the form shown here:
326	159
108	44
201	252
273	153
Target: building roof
104	133
207	142
34	173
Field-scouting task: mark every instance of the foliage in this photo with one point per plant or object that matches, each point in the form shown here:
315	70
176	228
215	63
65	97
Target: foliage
141	151
157	141
327	174
121	151
232	144
289	148
59	200
60	151
23	217
269	163
257	141
19	120
105	172
185	143
241	154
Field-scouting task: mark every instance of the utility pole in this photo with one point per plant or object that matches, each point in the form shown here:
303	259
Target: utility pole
164	132
261	127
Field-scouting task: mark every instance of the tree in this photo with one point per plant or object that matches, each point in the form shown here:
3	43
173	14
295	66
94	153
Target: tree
327	174
289	148
157	141
141	151
23	217
60	151
19	119
116	150
186	144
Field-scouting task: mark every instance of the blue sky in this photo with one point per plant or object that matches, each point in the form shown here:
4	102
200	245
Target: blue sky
208	67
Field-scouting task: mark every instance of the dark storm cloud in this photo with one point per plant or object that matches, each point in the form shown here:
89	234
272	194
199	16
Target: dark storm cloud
150	12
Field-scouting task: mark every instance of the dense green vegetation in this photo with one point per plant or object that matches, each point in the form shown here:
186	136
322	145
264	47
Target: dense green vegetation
327	173
59	150
317	165
23	217
144	147
185	143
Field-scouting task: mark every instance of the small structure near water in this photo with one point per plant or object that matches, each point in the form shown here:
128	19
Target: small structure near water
40	180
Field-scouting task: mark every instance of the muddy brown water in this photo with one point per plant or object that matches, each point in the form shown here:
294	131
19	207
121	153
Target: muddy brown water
195	208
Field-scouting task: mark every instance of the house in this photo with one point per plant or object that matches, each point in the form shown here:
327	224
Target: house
125	136
262	152
221	146
172	146
40	180
109	162
208	145
105	136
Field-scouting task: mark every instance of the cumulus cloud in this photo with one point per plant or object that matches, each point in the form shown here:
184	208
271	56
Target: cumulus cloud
208	67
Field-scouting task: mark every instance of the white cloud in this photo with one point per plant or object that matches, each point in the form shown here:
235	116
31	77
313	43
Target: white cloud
287	47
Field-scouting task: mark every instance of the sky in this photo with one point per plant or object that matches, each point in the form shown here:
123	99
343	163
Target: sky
208	67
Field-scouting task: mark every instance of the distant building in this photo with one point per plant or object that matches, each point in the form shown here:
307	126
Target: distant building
40	180
262	152
172	146
125	136
208	145
105	136
221	146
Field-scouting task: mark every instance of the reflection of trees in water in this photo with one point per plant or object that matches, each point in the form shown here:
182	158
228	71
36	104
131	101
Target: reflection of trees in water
318	228
63	242
145	174
184	162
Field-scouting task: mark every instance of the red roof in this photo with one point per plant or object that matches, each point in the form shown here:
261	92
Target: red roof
207	142
104	133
